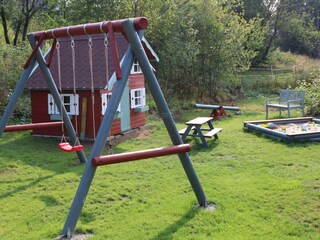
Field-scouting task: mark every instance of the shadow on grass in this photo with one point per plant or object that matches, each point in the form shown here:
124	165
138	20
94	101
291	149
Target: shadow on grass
48	200
24	187
196	145
168	232
17	148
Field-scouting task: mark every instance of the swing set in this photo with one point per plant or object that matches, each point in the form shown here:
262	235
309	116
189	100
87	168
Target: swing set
133	30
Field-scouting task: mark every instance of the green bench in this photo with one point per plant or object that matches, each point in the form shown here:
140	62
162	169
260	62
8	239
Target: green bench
287	100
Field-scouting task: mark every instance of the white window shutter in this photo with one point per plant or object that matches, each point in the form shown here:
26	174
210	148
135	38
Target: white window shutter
74	103
104	103
143	95
132	99
51	104
72	106
77	102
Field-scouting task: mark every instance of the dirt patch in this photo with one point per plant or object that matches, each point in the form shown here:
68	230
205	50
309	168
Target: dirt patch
76	237
138	133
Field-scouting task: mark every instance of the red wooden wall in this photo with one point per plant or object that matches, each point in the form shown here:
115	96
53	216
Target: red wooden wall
136	119
39	111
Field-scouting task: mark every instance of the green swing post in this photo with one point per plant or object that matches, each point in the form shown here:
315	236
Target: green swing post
163	109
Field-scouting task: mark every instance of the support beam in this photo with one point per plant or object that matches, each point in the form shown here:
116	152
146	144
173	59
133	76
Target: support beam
139	155
163	109
32	126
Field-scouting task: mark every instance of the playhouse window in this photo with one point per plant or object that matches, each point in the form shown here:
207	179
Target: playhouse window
70	102
136	68
138	97
105	99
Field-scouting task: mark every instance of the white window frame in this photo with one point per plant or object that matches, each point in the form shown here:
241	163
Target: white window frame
136	69
138	97
73	103
105	99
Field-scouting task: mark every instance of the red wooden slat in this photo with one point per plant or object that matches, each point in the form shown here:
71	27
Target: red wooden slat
139	23
139	155
23	127
114	49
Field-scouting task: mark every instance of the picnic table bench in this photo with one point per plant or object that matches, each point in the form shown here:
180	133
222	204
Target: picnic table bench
194	129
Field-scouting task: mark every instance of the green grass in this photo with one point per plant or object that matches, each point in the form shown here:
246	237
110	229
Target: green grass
263	189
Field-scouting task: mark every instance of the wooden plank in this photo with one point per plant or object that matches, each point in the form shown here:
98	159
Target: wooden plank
32	126
139	155
206	106
182	131
199	121
212	132
282	120
283	106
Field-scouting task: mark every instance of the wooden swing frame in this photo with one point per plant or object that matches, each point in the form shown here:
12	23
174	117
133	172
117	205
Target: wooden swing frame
133	31
31	126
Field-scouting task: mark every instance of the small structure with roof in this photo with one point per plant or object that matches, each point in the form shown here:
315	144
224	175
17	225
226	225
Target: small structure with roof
85	95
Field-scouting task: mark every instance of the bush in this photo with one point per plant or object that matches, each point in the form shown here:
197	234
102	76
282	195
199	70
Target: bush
11	62
312	93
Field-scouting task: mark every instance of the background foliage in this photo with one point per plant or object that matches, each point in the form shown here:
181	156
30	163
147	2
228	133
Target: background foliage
203	45
312	88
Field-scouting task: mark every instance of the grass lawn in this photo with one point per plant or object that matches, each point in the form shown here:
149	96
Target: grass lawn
263	189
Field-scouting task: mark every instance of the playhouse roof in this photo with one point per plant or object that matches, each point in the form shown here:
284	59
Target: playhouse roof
82	63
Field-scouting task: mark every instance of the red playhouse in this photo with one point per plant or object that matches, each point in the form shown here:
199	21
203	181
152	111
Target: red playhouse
81	73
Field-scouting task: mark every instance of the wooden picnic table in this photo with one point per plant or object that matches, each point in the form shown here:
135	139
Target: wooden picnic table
194	129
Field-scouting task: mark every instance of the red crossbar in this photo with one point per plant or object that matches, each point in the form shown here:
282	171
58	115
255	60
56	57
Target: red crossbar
139	155
32	126
139	23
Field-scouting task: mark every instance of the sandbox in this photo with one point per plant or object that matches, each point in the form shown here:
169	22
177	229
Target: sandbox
290	129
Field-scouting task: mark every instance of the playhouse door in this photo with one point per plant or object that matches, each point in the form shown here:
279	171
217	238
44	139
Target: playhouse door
125	110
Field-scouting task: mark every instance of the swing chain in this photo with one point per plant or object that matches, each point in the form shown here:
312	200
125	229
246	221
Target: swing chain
60	87
92	85
90	41
58	44
59	66
72	42
74	87
106	42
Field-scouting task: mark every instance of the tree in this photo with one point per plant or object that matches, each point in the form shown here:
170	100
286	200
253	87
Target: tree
301	32
227	44
19	13
294	26
177	48
11	61
200	43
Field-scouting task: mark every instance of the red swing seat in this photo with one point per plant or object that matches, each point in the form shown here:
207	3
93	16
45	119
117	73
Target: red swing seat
66	147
